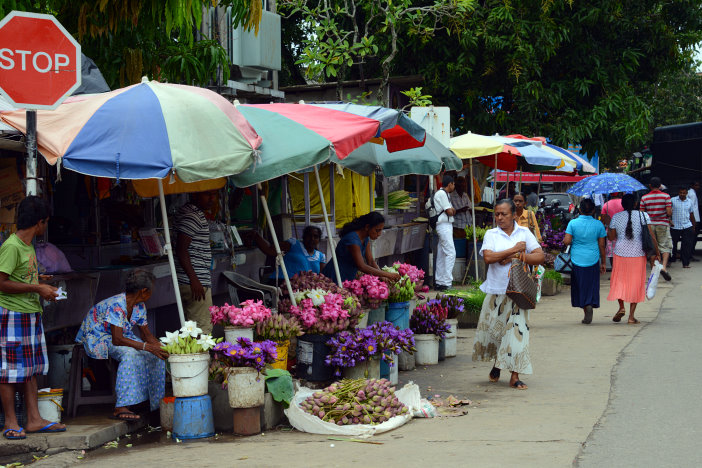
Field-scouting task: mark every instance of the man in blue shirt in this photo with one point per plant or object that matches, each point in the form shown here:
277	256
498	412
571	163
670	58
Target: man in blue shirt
682	227
586	235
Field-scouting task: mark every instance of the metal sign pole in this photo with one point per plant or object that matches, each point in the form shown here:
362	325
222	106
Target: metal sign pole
31	178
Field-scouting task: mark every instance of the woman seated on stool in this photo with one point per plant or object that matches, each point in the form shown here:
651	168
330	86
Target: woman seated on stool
108	332
299	256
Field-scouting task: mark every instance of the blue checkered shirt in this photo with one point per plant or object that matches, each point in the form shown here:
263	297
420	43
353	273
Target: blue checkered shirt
681	213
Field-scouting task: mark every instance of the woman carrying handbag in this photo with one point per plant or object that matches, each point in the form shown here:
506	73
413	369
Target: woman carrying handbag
502	335
631	229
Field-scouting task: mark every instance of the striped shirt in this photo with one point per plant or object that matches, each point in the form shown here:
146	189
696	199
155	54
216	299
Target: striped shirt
191	221
655	203
681	213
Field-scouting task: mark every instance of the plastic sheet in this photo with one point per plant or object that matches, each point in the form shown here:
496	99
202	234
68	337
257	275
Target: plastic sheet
305	422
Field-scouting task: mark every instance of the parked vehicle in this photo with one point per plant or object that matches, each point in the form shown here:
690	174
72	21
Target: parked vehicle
557	203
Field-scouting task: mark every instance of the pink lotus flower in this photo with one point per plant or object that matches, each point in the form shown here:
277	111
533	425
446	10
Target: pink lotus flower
250	313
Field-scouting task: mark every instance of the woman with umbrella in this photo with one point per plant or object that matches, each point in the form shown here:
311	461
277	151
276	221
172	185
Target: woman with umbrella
628	282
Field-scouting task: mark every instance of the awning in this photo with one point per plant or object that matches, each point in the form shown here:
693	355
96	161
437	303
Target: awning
533	177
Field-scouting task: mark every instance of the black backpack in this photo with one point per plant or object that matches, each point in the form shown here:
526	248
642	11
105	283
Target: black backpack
434	219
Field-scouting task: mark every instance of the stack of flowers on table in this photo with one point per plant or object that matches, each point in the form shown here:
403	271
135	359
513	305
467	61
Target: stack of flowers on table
379	341
279	329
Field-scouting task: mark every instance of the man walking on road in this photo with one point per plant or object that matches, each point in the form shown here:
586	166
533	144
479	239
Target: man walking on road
658	206
692	195
22	340
683	227
446	255
193	259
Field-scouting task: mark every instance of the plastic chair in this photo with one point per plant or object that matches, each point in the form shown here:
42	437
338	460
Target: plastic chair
76	397
235	282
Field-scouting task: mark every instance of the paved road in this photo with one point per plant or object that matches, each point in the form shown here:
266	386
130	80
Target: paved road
654	414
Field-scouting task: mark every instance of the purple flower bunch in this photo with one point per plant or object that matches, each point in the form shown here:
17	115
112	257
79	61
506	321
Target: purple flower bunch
425	322
381	339
453	304
552	234
246	353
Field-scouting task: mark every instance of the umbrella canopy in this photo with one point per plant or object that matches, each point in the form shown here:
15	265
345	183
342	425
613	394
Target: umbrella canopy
146	131
583	166
287	147
472	145
425	160
344	130
536	156
399	131
606	183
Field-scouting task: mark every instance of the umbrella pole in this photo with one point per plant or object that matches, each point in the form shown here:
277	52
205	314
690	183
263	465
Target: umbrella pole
169	252
475	240
538	188
330	236
494	192
278	253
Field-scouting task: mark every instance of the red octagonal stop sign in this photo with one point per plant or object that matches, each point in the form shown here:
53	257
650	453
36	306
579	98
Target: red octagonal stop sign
39	60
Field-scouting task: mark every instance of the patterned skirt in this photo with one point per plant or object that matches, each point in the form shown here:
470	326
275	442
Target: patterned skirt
503	333
22	346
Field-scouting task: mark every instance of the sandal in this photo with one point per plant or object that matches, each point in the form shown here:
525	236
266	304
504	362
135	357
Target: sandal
494	374
127	416
519	385
633	322
618	316
17	435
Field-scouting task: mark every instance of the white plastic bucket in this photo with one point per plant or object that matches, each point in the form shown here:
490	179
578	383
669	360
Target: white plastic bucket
451	338
427	349
246	387
395	370
50	405
232	333
363	321
189	374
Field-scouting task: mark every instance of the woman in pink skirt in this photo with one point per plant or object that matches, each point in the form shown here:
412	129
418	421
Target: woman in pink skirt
628	283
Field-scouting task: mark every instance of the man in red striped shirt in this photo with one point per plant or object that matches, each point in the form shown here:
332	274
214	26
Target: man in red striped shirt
659	207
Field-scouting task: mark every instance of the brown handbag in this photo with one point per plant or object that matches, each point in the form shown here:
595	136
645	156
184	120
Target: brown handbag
522	286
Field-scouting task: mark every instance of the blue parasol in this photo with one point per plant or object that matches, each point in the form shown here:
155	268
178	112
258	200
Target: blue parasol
606	183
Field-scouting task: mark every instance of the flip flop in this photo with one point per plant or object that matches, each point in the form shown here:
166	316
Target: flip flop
634	322
618	316
665	275
120	416
16	437
494	376
519	385
47	428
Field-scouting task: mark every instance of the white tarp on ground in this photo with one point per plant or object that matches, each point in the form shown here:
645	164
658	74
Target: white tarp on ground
305	422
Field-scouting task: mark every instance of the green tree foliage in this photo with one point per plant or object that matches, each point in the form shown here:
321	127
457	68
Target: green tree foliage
339	34
131	38
576	71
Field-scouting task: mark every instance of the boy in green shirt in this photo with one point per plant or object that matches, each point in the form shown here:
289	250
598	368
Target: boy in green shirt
22	344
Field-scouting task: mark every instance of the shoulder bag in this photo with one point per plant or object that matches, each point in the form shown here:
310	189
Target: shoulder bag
522	287
562	262
435	218
647	244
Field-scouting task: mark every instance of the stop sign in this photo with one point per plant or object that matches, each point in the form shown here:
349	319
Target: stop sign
39	60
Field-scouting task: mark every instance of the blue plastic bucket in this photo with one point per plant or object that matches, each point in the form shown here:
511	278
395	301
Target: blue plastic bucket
398	314
192	418
376	315
460	246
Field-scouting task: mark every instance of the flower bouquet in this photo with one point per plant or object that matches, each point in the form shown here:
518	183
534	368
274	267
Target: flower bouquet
249	314
369	289
279	329
453	304
411	278
188	340
425	321
322	312
380	340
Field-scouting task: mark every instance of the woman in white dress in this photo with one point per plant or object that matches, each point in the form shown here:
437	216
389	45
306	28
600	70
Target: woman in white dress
503	328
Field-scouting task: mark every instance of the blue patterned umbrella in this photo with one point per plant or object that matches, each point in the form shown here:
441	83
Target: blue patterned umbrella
606	183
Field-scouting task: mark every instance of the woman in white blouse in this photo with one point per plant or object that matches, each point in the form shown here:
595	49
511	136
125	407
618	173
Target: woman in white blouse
503	328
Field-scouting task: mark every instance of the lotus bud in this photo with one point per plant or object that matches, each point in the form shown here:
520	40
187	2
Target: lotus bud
321	413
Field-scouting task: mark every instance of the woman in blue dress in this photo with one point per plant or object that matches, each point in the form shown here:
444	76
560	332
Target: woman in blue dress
353	253
108	332
299	256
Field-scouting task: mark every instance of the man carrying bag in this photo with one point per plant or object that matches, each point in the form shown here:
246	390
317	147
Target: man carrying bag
441	213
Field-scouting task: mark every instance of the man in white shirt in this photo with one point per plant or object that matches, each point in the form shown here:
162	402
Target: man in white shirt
682	226
446	252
